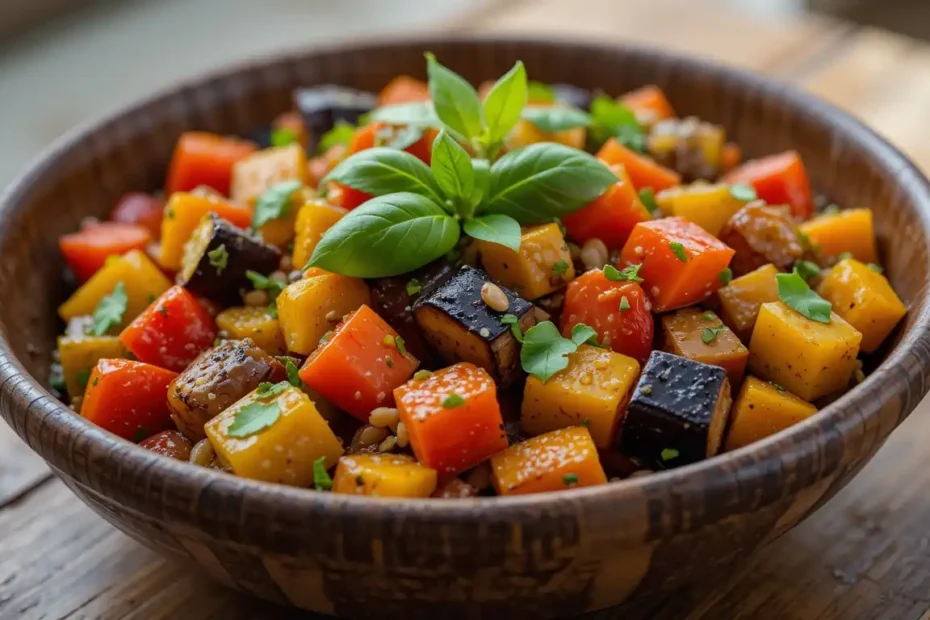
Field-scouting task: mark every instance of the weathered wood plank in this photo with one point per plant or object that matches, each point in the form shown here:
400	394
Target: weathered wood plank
20	468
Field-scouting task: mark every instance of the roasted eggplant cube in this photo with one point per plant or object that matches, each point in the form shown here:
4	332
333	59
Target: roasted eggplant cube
462	328
678	412
572	95
217	257
323	106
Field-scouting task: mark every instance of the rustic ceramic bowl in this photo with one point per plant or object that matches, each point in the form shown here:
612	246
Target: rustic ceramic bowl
541	555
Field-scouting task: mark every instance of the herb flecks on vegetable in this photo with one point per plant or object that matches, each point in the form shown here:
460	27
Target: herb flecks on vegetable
560	267
876	268
624	304
219	258
668	454
109	312
453	400
413	286
630	273
647	196
726	276
274	203
321	479
709	334
797	295
679	251
254	418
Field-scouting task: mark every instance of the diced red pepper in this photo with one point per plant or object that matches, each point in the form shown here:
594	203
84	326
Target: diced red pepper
778	180
358	366
597	302
128	398
649	103
643	171
87	250
610	217
142	209
681	262
205	159
403	89
171	332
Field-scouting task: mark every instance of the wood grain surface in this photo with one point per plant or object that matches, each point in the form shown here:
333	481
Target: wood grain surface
866	554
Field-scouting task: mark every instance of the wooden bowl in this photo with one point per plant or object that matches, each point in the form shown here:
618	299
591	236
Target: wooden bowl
542	555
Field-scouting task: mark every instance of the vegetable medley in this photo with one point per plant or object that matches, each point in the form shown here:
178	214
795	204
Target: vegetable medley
443	291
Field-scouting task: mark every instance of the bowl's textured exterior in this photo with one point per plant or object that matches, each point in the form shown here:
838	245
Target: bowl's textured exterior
534	556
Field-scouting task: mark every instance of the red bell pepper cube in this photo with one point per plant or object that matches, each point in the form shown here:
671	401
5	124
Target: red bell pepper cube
609	217
142	209
649	104
643	171
171	332
778	180
205	159
87	250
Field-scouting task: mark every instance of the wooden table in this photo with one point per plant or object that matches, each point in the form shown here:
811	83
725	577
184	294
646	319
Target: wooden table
866	554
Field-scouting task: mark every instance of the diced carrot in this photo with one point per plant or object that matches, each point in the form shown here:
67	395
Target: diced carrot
778	180
171	332
142	209
182	214
649	103
403	89
128	398
205	159
452	417
643	171
87	250
358	366
610	217
731	157
681	262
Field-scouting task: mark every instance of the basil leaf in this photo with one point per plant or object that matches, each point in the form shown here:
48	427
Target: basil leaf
539	92
582	334
253	418
544	351
110	310
381	170
807	269
455	100
420	113
797	295
274	203
504	101
545	180
341	133
452	169
613	119
387	236
556	117
495	228
398	138
482	168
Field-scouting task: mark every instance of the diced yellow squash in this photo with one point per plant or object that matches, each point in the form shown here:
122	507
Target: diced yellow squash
542	265
310	307
846	231
592	391
741	298
184	212
263	169
313	219
708	206
384	475
79	355
141	278
283	452
807	358
526	133
864	299
256	323
760	410
558	460
280	231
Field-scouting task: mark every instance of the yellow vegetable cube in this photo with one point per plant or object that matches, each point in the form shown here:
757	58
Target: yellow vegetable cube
183	214
526	133
263	169
141	278
708	206
313	219
593	390
79	355
289	436
807	358
384	475
255	323
760	410
741	299
847	231
542	265
310	307
280	230
864	299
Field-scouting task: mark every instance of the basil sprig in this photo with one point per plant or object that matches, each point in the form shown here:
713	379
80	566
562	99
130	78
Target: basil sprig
608	119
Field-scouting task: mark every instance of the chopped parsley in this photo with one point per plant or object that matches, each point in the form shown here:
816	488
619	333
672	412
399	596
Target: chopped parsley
219	258
109	312
570	480
630	273
453	400
268	390
648	197
586	422
274	203
876	268
292	373
709	334
807	269
400	345
679	251
668	454
420	375
726	275
624	304
321	479
560	267
264	283
253	418
745	193
413	286
341	133
389	362
707	316
514	322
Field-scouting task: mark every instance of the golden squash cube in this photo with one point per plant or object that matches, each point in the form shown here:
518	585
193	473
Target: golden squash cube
741	299
384	475
846	231
79	355
699	335
310	307
762	409
807	358
256	323
592	391
708	206
864	299
266	168
283	451
542	265
313	219
526	133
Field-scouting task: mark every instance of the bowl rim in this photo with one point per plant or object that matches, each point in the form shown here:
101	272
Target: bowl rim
744	466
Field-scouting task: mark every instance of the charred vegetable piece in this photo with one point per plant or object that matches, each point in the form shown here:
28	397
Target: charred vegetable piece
217	379
559	460
643	171
741	299
313	219
610	217
863	297
689	146
141	209
649	104
808	358
205	159
708	206
358	366
762	235
80	353
264	169
572	95
542	265
258	324
701	336
182	215
169	443
274	435
87	250
323	106
460	326
681	262
217	257
452	418
592	391
847	231
761	410
127	398
171	332
678	412
310	307
383	475
778	179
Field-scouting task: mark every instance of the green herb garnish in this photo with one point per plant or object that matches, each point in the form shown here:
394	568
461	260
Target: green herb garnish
744	193
624	304
843	256
630	273
413	286
647	196
341	133
539	92
274	203
283	136
679	251
399	343
420	375
570	479
321	479
777	387
292	373
726	276
560	268
453	400
797	295
219	258
709	334
807	269
545	351
514	322
359	481
253	418
109	312
707	316
668	454
583	334
876	268
264	283
82	377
